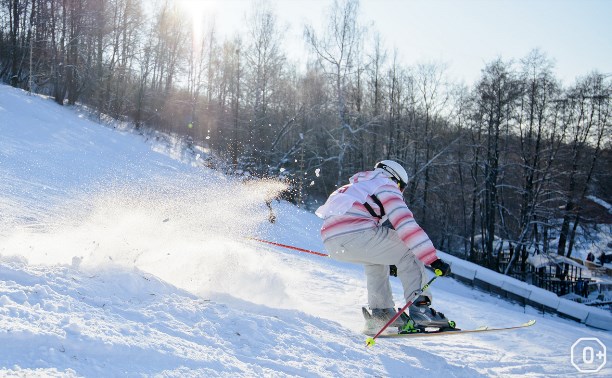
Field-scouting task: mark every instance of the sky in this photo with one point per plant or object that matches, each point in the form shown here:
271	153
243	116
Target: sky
463	34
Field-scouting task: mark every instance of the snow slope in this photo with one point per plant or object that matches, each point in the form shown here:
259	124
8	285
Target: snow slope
121	256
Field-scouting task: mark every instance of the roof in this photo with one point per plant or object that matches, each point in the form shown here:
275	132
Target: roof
541	260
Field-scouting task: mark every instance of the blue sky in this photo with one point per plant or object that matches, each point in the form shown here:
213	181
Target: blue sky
468	33
464	34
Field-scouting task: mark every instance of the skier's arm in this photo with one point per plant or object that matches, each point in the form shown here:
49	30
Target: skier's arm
404	223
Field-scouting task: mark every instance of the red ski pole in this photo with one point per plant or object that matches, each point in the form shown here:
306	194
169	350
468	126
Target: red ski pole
290	247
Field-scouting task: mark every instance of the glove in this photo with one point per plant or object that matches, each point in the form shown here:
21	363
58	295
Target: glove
441	268
393	270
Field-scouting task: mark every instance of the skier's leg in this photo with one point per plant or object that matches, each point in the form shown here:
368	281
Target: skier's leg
376	252
379	289
412	274
382	247
354	248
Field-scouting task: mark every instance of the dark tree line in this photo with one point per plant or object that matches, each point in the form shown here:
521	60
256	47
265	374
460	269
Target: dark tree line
510	158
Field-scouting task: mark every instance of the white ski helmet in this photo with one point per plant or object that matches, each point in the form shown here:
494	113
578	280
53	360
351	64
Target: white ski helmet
395	171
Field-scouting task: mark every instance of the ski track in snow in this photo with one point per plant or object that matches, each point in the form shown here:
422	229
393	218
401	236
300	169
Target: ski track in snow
118	260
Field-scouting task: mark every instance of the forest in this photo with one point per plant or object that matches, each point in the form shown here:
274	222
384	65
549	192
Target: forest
513	157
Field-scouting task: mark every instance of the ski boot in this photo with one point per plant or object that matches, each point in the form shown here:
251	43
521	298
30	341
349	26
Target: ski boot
379	317
426	318
409	325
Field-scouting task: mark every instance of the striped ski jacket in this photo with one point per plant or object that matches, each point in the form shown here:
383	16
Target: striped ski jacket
344	212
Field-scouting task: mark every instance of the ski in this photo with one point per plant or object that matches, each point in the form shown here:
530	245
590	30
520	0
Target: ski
450	332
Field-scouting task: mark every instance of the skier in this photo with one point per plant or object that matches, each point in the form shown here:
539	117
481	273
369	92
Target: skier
367	222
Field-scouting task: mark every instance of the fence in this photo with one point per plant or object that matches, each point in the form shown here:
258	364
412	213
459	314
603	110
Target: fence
527	295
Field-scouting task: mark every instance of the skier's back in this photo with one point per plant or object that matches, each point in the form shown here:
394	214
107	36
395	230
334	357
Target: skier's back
367	222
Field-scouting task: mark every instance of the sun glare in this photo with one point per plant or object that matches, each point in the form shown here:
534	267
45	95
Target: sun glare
199	10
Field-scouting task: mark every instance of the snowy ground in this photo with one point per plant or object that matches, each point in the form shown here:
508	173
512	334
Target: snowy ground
122	257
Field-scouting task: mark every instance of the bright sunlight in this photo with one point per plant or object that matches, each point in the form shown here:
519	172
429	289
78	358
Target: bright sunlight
200	10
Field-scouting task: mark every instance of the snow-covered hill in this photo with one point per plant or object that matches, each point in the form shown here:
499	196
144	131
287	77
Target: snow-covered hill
121	256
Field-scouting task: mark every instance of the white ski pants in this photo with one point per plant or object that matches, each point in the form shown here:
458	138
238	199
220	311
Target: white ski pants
376	249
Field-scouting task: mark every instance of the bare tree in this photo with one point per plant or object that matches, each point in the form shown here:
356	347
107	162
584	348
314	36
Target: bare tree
433	97
264	69
539	144
375	92
497	93
588	121
335	52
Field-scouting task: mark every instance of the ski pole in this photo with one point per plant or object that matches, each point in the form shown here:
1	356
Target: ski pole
370	340
289	247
